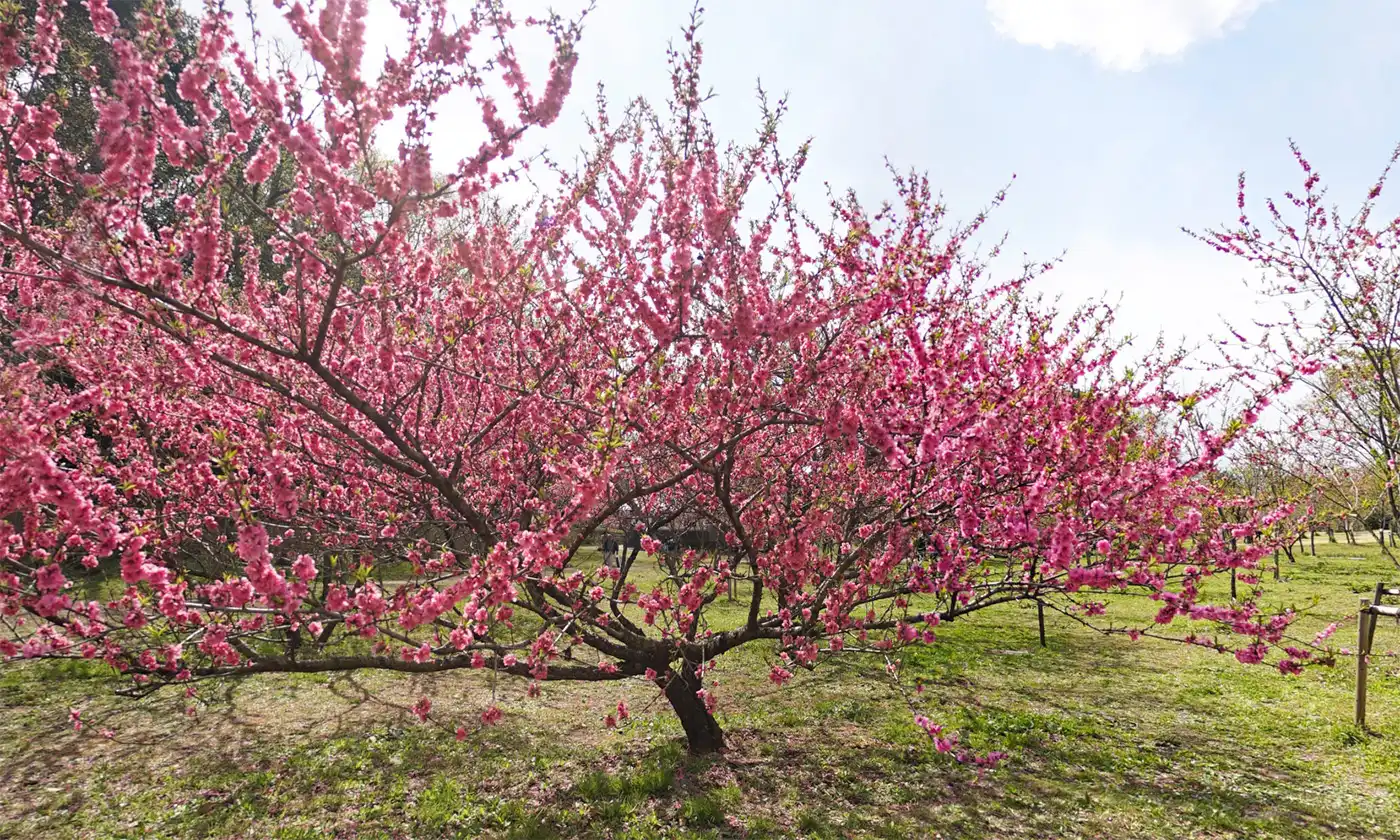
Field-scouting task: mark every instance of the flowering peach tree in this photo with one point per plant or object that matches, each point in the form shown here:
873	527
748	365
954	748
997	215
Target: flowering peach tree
360	421
1335	334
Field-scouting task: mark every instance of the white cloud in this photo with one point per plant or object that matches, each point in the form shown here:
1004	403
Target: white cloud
1119	34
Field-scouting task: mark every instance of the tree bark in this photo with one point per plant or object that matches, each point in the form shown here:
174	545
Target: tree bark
702	732
626	557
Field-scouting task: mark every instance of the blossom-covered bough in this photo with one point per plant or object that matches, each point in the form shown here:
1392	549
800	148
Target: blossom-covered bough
358	421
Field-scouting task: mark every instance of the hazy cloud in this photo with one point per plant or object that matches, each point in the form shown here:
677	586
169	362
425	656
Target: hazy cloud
1119	34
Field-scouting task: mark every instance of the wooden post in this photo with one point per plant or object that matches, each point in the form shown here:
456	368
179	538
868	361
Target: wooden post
1040	617
1363	637
1371	625
1276	570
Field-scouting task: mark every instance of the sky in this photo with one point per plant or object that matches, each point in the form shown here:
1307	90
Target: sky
1121	120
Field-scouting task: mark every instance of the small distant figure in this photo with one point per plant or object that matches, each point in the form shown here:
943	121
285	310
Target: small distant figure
609	551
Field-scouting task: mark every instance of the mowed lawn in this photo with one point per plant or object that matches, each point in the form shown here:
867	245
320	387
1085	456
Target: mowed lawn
1107	738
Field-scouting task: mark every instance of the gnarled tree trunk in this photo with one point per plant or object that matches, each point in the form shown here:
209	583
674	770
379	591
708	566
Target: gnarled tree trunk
702	731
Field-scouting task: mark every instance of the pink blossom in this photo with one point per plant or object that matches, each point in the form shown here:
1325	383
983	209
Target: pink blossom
422	707
104	21
304	567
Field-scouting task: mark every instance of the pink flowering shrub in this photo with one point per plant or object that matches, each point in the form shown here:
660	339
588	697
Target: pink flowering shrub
407	419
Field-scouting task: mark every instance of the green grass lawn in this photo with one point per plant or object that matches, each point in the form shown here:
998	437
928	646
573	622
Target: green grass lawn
1107	739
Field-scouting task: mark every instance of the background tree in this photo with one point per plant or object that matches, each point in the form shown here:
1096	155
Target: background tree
1339	283
86	66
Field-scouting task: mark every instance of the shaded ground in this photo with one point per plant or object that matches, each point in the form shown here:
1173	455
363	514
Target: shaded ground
1107	739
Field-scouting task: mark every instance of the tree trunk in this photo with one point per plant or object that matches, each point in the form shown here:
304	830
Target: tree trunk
1312	542
702	732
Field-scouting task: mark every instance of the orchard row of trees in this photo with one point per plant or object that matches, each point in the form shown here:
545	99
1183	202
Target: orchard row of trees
274	400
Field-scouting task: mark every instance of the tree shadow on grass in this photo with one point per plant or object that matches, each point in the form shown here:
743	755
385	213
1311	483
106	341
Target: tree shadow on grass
50	772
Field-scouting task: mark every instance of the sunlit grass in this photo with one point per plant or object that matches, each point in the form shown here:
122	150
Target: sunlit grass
1107	738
